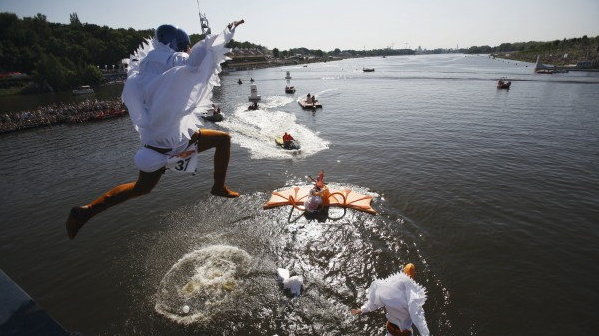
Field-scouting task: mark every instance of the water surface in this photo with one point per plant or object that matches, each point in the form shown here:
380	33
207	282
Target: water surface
491	193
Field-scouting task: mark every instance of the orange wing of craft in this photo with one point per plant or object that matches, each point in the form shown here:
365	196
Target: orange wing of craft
348	198
341	198
291	196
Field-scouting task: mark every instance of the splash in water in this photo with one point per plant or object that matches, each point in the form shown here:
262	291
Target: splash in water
200	282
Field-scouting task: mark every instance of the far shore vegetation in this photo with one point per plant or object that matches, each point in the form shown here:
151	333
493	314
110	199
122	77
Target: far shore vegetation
39	56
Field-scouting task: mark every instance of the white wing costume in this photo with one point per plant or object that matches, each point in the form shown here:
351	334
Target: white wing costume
166	92
402	298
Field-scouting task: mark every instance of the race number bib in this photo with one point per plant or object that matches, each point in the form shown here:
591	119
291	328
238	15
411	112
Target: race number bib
186	162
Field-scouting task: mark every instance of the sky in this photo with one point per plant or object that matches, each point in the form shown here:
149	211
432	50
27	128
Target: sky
344	24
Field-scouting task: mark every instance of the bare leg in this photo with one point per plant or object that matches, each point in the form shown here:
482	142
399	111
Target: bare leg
119	194
206	139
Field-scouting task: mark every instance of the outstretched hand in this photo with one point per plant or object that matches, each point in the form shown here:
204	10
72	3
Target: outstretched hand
234	24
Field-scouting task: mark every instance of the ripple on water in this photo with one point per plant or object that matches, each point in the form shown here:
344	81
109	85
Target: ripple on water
338	256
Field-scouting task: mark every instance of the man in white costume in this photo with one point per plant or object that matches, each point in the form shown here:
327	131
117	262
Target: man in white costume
402	299
168	86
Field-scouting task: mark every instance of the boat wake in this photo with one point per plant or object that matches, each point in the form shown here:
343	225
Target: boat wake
256	131
319	94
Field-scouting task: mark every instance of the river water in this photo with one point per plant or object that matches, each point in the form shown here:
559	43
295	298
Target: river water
492	194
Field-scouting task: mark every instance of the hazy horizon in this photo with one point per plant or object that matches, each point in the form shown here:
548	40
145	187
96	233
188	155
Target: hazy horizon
342	24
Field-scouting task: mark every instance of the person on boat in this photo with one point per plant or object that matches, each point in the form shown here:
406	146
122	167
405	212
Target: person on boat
319	194
308	98
287	140
239	81
402	299
313	100
287	137
215	109
162	105
251	79
319	182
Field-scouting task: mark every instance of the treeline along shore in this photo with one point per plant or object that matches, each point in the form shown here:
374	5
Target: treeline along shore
582	52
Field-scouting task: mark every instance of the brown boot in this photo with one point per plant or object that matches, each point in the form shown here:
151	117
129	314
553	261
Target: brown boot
77	218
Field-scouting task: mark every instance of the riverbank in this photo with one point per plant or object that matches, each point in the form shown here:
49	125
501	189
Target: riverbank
59	113
273	63
569	58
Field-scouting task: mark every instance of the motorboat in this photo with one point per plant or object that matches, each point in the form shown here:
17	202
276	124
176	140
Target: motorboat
309	105
84	89
214	117
503	84
289	89
290	145
550	71
253	107
368	69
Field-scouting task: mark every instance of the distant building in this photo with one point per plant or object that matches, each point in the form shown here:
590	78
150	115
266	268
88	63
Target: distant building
248	58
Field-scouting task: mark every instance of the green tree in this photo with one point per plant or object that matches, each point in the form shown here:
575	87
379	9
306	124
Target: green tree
74	19
275	53
49	71
88	75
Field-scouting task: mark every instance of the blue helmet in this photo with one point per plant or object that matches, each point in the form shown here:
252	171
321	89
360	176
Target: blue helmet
167	34
183	41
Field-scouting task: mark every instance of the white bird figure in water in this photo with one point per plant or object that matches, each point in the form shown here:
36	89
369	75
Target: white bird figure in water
294	283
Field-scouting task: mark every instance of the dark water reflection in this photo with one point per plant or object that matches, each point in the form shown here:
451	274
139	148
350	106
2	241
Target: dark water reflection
492	194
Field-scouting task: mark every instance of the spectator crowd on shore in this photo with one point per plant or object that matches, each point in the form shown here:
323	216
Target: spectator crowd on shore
61	113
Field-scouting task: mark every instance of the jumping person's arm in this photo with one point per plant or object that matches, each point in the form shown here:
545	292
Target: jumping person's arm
216	44
234	24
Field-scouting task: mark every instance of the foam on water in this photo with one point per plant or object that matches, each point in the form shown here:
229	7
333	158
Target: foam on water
325	93
256	131
201	281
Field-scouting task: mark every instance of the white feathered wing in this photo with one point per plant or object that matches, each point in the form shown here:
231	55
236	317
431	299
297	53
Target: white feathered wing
173	104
